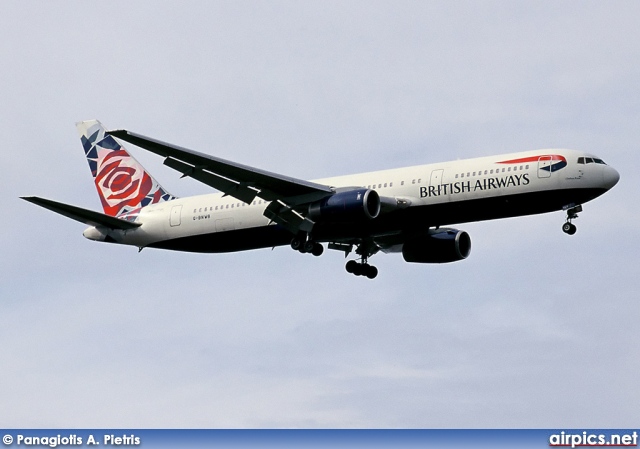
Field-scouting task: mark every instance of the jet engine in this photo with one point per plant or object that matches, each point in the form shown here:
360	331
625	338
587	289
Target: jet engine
350	205
439	246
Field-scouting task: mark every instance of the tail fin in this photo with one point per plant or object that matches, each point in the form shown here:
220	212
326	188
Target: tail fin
124	186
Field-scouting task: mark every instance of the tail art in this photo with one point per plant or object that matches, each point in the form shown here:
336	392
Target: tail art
122	183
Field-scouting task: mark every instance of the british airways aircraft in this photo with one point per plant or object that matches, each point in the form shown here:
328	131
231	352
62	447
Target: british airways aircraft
400	210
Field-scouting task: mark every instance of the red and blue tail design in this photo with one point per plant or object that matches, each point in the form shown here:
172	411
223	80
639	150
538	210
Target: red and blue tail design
123	185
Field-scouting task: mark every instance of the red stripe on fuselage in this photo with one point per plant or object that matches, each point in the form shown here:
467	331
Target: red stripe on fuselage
554	157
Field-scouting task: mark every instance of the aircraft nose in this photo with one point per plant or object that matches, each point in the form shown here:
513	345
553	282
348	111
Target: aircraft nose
610	177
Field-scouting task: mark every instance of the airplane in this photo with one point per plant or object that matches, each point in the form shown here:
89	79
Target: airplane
406	210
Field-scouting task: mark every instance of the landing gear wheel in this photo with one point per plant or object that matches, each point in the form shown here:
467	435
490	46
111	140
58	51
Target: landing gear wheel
371	272
317	250
569	228
351	266
296	243
307	247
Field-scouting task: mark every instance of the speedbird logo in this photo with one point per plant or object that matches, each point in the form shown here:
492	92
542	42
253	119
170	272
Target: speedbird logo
547	162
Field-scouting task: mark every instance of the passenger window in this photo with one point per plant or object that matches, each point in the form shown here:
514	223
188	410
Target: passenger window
401	183
474	173
485	172
385	184
491	171
390	184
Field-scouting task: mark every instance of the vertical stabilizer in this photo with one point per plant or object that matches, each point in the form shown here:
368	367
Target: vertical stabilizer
123	185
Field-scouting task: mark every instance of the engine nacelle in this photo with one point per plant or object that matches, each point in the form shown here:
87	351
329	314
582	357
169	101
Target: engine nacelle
440	246
349	205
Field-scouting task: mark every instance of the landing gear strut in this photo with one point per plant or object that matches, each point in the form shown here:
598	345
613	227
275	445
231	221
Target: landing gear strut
572	213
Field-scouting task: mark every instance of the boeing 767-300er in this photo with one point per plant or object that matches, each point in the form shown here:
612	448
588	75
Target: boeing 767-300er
399	210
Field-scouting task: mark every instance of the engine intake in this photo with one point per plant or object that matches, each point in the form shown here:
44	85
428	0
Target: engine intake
350	205
441	246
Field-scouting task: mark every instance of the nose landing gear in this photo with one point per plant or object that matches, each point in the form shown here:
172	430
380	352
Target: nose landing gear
572	213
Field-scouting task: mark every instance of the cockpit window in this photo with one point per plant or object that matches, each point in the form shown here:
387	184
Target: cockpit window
590	160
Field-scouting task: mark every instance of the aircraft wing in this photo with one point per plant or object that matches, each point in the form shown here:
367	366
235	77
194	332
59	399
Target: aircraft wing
86	216
237	180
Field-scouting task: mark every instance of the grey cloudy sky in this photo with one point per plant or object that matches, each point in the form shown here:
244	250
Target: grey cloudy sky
535	329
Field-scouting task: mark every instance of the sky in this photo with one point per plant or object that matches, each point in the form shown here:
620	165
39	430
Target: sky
535	329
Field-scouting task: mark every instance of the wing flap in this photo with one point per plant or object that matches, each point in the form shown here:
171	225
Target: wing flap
235	189
283	214
85	216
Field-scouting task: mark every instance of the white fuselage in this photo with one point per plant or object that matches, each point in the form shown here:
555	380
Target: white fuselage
437	193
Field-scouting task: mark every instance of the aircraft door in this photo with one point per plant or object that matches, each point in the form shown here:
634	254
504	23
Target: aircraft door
544	167
436	177
435	186
176	212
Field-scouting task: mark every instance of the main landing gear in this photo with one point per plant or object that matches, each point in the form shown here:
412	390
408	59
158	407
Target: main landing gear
572	213
362	268
305	244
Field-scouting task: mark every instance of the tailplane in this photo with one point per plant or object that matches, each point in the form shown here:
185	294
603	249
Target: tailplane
123	185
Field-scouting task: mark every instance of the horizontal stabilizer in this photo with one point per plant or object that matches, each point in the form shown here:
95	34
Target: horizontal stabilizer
86	216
